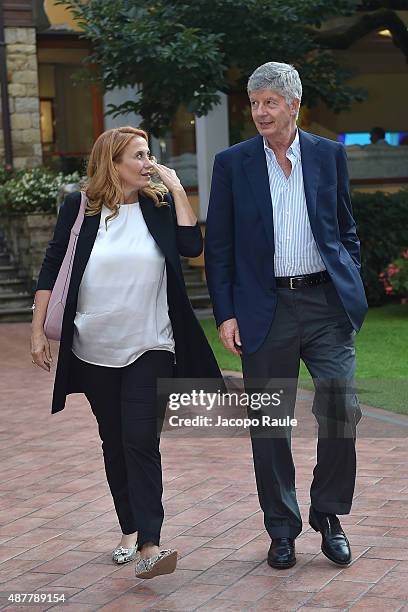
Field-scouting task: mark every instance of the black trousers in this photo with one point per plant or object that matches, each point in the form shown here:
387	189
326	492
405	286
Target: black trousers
309	324
124	402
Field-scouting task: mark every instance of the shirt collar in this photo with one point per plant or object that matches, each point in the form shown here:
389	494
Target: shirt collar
294	148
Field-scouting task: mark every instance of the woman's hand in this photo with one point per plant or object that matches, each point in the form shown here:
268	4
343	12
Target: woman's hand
168	177
40	350
184	213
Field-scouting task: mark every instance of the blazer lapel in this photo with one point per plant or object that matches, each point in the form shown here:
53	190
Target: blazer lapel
311	170
257	174
86	239
157	226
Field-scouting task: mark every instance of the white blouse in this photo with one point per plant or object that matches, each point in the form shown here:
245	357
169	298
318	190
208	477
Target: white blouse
122	309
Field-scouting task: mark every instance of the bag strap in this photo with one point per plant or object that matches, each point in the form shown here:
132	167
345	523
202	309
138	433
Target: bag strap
81	213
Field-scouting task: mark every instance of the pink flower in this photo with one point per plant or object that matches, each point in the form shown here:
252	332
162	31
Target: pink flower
404	254
388	290
393	270
404	300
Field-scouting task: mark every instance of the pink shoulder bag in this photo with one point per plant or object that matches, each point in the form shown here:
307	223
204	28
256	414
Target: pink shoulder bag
58	298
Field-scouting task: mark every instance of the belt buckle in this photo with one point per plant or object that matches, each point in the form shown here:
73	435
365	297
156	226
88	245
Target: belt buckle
291	281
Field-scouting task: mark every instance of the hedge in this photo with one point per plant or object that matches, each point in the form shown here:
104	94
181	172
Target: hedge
31	191
382	226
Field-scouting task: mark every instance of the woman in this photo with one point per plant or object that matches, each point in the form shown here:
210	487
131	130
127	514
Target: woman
127	323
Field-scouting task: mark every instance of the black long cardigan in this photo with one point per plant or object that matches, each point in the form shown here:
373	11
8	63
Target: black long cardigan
194	357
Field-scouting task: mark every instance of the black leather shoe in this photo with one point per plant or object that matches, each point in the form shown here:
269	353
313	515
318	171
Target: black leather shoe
335	545
281	553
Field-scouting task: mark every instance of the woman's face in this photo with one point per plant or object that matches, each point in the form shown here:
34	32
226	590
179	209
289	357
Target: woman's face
135	166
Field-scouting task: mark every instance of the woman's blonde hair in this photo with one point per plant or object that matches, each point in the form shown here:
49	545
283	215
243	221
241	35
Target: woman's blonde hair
103	184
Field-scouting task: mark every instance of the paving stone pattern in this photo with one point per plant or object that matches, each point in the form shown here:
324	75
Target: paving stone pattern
58	525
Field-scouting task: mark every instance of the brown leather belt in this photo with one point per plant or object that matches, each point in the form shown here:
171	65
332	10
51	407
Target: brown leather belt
303	281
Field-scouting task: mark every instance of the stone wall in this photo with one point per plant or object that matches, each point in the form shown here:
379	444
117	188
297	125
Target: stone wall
27	237
22	73
377	162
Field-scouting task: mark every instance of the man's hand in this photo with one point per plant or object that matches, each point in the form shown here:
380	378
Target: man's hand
229	335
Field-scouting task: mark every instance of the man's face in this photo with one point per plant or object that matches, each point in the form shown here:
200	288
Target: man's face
272	116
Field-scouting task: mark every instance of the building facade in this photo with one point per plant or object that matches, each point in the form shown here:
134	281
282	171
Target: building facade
54	117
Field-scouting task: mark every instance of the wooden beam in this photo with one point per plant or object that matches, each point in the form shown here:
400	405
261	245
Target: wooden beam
62	41
97	110
18	13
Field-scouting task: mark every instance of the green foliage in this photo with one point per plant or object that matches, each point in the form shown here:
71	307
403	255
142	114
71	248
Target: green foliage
382	221
182	52
6	174
34	190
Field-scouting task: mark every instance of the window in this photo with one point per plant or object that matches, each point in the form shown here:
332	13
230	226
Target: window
363	138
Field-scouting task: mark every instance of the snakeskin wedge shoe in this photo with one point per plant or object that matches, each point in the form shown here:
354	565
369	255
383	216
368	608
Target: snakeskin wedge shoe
163	563
124	555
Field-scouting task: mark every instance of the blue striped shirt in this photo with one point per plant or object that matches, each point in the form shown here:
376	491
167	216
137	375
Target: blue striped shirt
295	247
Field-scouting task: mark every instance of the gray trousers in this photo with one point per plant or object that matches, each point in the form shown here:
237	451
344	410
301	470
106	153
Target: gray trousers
309	324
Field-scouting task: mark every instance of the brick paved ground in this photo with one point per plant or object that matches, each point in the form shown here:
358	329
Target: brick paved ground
57	524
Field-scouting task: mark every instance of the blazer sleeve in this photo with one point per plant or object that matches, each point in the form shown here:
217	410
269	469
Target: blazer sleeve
219	244
57	247
347	225
189	238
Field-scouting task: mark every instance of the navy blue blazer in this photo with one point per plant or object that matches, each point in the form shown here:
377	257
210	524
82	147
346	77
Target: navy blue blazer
239	245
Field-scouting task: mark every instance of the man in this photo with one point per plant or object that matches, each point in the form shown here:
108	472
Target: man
377	137
282	264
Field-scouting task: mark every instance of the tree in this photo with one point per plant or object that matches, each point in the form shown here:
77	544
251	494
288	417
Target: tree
184	52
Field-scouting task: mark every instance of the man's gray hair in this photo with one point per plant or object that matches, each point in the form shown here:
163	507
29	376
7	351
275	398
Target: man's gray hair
282	78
